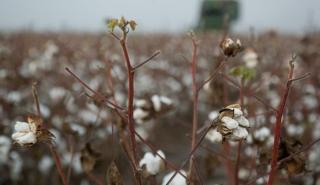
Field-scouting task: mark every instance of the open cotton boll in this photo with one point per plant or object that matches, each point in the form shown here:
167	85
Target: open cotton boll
229	122
152	163
239	133
243	121
177	180
214	136
25	133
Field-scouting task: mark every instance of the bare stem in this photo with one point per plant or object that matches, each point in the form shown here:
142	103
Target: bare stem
278	125
52	149
195	104
101	97
58	164
131	128
155	54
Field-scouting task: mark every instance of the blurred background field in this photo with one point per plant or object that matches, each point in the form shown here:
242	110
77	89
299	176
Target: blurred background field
39	42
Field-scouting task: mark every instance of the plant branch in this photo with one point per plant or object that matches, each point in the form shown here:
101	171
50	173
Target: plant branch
52	149
278	124
101	97
155	54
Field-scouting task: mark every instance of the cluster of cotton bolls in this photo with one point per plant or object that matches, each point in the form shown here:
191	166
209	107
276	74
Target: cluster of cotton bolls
230	124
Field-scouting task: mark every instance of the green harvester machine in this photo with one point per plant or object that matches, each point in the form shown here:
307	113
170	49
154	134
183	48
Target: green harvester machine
216	14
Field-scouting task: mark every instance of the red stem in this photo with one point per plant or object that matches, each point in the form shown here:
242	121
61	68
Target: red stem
278	126
131	128
58	164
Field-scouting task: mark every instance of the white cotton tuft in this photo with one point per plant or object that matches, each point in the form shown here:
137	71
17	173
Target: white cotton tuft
239	133
214	136
139	115
213	115
152	163
177	180
156	102
243	121
229	122
24	138
21	127
237	112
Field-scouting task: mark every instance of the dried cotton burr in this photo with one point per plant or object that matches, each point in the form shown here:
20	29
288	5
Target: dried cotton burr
230	124
230	48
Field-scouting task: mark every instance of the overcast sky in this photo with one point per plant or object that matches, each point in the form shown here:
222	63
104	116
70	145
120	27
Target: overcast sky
153	15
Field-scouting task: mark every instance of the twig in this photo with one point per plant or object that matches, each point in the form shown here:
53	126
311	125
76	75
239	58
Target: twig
213	74
155	54
101	97
191	153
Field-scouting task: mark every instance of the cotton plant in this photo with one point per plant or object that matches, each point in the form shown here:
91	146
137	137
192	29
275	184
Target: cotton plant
178	179
152	164
231	125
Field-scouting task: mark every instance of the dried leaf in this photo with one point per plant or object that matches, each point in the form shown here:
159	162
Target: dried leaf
88	158
133	24
113	175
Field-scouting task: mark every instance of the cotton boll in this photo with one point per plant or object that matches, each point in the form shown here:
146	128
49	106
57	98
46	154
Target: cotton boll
214	136
152	163
229	122
213	115
243	121
177	180
25	133
239	133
